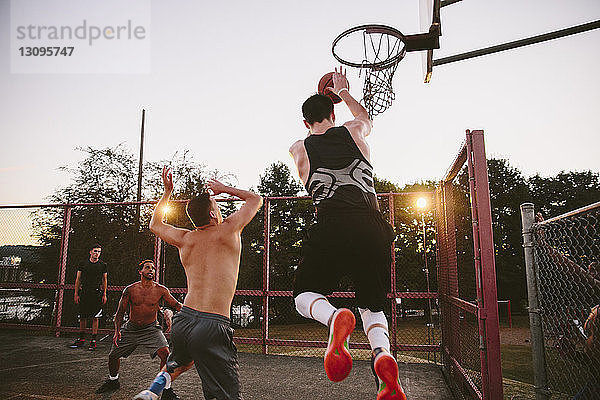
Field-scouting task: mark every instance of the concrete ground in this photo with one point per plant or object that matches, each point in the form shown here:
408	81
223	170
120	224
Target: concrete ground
44	368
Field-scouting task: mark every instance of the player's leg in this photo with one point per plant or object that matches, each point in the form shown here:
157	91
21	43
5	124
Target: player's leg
95	307
168	392
318	273
165	377
177	362
84	314
95	324
372	284
124	349
215	358
163	354
80	341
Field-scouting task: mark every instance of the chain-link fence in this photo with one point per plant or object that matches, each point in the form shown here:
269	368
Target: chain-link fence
566	282
37	273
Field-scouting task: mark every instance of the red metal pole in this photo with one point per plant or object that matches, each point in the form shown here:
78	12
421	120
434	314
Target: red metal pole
266	255
489	329
509	315
158	244
64	249
393	280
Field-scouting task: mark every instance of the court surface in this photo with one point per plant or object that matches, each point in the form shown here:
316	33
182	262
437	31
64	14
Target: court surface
43	367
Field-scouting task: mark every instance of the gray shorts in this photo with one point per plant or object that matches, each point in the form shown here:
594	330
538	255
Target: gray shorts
207	339
150	336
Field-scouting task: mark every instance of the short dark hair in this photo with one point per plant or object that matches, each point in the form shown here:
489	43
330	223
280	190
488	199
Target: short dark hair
198	209
141	264
95	246
317	108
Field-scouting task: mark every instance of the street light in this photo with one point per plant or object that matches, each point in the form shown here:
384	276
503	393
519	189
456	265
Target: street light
421	204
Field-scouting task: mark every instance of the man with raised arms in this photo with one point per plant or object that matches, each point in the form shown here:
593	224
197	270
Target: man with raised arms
351	237
210	254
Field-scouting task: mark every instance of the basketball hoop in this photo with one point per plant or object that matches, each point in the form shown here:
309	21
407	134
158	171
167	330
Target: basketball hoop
383	47
377	50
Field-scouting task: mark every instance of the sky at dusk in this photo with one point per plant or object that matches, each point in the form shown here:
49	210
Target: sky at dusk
226	80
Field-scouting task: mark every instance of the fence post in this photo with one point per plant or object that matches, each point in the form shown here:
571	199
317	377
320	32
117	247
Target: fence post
537	336
266	255
487	315
62	272
158	262
393	280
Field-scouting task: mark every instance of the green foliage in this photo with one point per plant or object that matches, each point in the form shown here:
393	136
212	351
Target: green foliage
110	175
414	247
287	222
508	190
565	192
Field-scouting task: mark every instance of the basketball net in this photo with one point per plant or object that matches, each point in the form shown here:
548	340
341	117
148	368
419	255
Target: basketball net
378	92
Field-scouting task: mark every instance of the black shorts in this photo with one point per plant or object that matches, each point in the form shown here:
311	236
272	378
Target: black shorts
355	244
90	304
207	339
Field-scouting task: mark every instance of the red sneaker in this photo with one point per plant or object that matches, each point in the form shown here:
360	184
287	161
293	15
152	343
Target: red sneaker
338	361
77	343
385	368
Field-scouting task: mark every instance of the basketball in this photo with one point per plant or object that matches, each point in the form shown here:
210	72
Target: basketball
327	82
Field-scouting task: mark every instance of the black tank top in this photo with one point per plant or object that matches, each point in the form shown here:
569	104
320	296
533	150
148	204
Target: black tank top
340	177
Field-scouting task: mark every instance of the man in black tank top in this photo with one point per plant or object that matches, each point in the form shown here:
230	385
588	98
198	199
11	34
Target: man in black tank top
350	238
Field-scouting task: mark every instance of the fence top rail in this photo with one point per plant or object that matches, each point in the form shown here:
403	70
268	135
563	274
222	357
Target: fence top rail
571	213
459	161
58	205
150	202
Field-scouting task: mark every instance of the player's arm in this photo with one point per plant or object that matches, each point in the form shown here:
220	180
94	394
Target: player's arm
77	284
252	203
170	300
121	309
104	286
298	153
166	232
168	314
592	329
361	125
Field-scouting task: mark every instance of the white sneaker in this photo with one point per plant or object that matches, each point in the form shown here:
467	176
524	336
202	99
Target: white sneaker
146	395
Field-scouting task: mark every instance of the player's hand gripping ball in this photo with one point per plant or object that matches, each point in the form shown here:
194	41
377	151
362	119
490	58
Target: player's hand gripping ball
325	87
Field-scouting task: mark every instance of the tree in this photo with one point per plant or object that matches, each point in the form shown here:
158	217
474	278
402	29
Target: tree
288	218
565	192
107	175
508	190
410	249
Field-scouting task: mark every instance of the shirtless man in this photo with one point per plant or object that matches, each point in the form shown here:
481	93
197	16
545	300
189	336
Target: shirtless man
350	237
142	299
210	254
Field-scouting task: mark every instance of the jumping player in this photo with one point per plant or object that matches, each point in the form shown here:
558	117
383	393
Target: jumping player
350	237
210	255
90	294
142	300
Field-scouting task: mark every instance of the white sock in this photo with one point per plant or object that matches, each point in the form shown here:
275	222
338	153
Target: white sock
315	306
168	384
113	378
375	326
